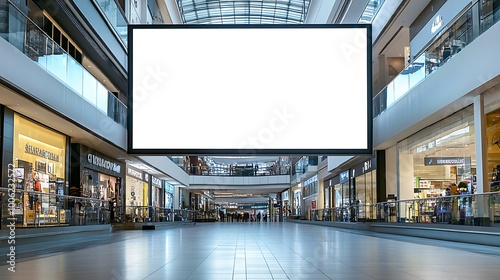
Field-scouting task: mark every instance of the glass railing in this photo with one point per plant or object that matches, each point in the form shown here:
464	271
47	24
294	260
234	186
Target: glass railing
237	170
343	214
38	209
467	209
115	17
181	215
431	60
145	214
303	163
34	43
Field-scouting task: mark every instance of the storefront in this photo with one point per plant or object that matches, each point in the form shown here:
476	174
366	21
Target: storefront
136	195
493	136
341	190
39	166
310	193
169	196
97	176
365	182
435	160
285	200
329	192
156	192
297	200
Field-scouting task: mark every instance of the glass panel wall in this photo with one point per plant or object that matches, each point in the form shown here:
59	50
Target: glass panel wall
434	161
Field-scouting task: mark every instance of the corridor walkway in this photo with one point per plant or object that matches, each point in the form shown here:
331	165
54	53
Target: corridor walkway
220	251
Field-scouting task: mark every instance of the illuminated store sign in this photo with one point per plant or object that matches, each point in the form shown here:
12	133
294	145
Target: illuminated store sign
134	173
446	160
104	163
156	182
344	176
29	149
437	23
367	165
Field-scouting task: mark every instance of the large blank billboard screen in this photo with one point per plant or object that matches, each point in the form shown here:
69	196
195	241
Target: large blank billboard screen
250	89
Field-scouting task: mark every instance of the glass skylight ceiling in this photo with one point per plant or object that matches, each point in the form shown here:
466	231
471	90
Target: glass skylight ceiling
243	11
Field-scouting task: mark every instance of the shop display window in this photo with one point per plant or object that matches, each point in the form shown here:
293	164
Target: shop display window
366	194
438	157
39	169
493	136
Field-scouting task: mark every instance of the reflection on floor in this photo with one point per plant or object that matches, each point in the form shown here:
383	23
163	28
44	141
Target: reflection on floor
250	251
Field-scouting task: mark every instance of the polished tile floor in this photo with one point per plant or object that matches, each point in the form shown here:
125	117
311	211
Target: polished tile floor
250	251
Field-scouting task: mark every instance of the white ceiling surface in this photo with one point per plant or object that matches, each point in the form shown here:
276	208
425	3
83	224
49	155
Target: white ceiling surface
393	38
354	11
176	176
172	10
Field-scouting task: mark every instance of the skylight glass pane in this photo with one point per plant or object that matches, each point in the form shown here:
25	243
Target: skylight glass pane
243	11
370	11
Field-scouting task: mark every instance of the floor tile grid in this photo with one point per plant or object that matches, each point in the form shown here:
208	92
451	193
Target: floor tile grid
272	263
295	265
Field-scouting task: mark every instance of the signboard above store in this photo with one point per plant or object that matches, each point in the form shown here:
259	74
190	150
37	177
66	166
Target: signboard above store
446	161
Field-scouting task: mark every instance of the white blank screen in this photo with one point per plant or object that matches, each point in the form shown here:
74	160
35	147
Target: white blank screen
249	88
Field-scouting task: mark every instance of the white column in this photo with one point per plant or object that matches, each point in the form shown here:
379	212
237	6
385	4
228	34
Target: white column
405	179
481	145
482	217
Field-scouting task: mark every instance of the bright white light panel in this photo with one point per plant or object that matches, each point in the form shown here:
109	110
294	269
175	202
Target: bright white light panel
248	90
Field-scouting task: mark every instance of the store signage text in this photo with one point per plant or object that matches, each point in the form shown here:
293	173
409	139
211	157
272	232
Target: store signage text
156	181
437	23
134	173
367	165
344	176
104	163
40	152
446	160
430	145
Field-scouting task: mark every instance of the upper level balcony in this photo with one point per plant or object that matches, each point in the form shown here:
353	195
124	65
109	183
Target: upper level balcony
305	167
34	64
441	76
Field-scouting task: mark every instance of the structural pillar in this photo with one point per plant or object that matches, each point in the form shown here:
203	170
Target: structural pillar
483	217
